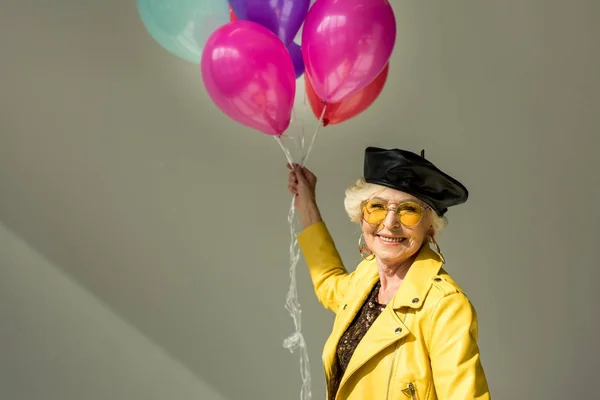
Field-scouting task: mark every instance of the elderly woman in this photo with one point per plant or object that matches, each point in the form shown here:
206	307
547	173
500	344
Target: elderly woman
403	328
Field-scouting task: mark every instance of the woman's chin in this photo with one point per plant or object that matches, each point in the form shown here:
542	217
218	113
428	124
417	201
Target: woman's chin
398	253
388	253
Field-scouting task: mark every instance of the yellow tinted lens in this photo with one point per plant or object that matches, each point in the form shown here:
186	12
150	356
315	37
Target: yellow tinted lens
374	212
410	213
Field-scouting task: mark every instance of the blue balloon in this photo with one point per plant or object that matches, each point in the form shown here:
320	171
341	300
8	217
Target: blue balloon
183	26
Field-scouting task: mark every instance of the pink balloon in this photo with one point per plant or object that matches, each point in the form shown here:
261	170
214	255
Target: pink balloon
249	74
346	44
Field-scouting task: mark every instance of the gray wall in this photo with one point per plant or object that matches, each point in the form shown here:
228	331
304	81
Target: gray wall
118	169
59	342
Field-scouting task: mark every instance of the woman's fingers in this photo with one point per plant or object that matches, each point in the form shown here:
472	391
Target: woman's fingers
293	188
292	178
292	183
300	176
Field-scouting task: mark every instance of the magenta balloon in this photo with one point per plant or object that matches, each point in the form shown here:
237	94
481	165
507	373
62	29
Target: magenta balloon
249	74
346	44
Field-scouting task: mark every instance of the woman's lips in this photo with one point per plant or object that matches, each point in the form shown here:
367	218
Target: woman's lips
390	241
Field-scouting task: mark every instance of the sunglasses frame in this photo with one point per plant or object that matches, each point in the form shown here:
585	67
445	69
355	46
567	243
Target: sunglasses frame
393	208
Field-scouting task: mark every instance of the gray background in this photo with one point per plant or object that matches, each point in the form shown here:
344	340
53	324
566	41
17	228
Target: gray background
144	245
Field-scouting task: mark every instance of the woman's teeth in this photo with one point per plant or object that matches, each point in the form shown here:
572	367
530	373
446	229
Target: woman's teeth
391	240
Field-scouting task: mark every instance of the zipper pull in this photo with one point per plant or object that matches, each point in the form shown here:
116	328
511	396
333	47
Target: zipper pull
410	391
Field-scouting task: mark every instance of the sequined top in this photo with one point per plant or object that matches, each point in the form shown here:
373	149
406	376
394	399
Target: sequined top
365	317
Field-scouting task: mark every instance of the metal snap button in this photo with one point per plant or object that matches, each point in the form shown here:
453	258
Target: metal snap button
415	300
398	330
438	279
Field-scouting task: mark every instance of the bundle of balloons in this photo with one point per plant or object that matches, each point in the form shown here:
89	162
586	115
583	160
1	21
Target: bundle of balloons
250	59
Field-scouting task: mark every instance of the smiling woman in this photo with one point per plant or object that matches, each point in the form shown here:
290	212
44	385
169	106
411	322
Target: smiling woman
404	329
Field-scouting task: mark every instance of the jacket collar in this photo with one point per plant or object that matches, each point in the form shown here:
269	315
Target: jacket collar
418	279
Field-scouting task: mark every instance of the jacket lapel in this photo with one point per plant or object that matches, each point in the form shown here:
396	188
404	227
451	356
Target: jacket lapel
386	330
348	312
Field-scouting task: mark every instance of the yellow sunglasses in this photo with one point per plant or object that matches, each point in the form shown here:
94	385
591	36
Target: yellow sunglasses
409	213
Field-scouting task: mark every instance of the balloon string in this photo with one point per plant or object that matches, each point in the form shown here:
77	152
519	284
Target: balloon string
286	152
304	109
292	304
312	141
299	140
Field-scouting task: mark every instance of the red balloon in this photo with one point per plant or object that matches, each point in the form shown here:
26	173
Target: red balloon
232	16
350	107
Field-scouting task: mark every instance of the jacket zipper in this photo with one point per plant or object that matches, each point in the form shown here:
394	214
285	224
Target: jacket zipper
398	346
387	396
410	391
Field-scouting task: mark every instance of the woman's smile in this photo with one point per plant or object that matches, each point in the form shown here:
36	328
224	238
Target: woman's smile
391	240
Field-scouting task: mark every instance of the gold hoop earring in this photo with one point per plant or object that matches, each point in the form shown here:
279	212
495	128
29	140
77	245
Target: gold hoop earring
437	249
364	250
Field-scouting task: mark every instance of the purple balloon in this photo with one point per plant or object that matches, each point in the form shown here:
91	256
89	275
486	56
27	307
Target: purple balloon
296	54
282	17
346	44
249	74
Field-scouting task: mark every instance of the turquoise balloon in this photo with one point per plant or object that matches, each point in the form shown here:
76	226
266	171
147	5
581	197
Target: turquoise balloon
183	26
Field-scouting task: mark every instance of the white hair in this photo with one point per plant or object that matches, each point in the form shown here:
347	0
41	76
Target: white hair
361	191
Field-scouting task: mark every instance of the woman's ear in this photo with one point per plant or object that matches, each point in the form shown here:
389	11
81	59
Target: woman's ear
430	232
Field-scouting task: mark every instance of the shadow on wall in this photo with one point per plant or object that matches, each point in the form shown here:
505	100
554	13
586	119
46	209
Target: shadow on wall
60	343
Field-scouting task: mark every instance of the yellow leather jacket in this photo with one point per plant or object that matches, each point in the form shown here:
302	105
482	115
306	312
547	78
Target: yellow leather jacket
423	346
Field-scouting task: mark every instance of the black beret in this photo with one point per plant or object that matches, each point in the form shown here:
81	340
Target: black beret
413	174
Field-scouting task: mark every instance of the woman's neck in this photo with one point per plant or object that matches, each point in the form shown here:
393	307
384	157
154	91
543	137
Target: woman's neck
391	276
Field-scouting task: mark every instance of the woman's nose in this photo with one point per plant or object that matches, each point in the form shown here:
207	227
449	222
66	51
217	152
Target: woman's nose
391	219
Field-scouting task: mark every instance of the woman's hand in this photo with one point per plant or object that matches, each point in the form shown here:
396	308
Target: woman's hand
302	184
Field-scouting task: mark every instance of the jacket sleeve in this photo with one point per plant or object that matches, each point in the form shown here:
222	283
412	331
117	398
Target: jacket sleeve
329	276
455	360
